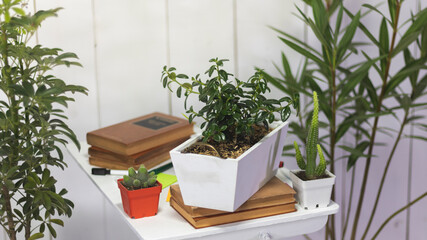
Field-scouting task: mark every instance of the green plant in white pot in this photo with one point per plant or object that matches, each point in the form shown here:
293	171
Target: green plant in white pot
240	132
314	183
31	126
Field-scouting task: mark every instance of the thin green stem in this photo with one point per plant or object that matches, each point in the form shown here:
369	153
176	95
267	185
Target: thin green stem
333	135
390	157
374	128
306	237
396	213
349	202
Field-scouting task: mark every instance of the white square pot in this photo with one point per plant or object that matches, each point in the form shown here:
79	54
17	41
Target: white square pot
225	184
313	193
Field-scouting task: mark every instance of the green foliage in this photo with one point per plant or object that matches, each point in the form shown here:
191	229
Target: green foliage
231	108
141	179
353	96
312	147
31	125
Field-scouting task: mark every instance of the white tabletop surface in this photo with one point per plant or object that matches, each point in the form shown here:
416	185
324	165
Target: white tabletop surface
168	224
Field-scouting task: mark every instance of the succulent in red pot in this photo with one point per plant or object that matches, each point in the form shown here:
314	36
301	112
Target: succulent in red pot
140	192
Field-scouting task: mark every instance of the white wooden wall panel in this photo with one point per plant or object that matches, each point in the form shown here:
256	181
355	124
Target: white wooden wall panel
130	51
199	30
67	33
72	31
258	45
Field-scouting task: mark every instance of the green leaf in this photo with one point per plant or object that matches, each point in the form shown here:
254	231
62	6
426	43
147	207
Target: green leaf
367	83
384	44
57	221
403	73
369	6
178	92
416	28
348	37
285	113
355	153
338	20
392	10
363	28
19	11
304	52
36	236
183	76
355	78
417	137
47	201
297	41
320	15
51	230
419	89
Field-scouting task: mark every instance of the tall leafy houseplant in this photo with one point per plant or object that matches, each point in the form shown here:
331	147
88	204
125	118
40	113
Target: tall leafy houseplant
359	94
31	124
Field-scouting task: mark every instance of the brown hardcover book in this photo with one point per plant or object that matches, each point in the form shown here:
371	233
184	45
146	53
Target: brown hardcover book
120	165
208	221
273	193
137	158
140	134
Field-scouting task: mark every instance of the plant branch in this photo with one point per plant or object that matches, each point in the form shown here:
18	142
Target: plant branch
333	138
349	202
8	207
374	128
390	157
397	212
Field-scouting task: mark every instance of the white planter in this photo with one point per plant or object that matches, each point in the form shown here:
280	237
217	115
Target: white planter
314	193
225	184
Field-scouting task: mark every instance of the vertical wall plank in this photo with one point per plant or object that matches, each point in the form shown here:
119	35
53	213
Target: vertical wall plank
258	45
72	31
199	30
131	50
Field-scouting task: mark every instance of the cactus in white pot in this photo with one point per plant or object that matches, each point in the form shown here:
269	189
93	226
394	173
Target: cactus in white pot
312	148
315	190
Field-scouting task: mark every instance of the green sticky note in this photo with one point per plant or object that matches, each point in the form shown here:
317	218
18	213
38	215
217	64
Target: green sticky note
166	179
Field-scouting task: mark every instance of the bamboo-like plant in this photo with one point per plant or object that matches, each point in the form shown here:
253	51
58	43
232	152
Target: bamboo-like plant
353	101
312	147
31	125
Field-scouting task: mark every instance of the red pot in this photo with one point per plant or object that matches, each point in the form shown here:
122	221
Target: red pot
140	203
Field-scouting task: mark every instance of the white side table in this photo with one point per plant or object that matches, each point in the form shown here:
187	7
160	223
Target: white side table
168	224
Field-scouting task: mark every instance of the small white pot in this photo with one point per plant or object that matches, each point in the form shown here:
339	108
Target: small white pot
225	184
313	193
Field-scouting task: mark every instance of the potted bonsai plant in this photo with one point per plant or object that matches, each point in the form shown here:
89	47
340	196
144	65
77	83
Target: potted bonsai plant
240	147
313	184
140	192
32	127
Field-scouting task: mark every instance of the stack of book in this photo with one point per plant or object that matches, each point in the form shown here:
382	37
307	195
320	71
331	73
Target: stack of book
276	197
145	140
